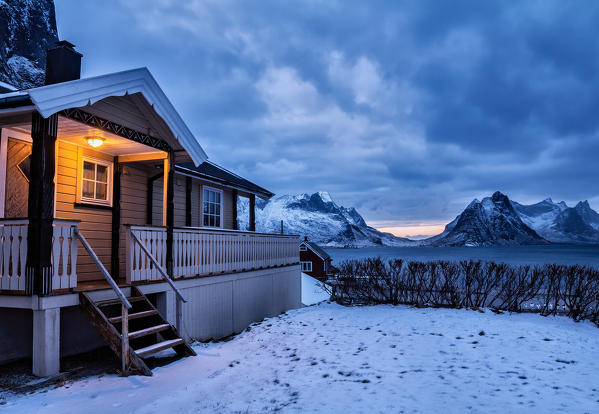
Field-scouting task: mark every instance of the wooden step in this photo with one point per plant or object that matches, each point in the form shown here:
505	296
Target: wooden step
152	349
137	315
149	331
118	301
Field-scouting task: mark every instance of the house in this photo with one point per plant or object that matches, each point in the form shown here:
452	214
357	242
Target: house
314	261
116	229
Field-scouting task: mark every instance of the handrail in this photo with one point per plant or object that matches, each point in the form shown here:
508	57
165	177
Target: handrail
13	221
158	266
220	231
208	229
103	270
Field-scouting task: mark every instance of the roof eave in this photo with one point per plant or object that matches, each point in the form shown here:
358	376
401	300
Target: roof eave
50	99
265	195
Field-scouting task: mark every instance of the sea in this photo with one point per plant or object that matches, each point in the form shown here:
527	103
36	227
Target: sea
518	255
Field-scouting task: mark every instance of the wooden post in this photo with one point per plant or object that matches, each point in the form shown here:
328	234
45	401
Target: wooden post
165	183
116	221
179	316
235	223
188	185
124	341
252	212
38	271
169	210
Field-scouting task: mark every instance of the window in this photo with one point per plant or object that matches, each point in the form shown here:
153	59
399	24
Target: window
303	248
96	181
306	266
212	207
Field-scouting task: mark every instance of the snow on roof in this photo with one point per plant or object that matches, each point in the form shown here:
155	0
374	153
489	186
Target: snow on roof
316	249
8	87
50	99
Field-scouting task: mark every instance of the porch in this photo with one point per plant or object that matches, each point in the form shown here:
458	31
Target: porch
196	252
228	279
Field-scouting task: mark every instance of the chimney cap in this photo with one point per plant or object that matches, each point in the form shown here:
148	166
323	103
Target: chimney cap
64	44
305	238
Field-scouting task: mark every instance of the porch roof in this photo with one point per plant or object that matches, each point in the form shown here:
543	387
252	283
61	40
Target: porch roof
50	99
212	172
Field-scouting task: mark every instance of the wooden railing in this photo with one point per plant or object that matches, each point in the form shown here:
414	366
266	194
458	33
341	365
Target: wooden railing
13	254
200	251
64	254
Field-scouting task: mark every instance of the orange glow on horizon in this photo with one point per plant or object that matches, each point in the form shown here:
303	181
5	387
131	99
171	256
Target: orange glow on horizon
413	230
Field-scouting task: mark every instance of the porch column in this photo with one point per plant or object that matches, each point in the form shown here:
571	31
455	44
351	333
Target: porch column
235	223
46	342
115	266
168	213
41	204
252	212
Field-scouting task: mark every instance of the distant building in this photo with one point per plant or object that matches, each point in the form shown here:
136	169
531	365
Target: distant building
314	260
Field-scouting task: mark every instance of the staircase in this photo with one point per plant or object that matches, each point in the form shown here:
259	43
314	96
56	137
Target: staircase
147	332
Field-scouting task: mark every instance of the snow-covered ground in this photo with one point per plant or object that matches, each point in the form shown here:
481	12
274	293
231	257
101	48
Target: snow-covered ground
381	359
312	291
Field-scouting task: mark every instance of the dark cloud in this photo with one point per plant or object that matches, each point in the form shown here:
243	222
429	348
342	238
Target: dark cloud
406	110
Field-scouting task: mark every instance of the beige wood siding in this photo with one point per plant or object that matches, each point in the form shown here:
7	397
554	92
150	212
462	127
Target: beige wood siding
196	202
96	222
179	201
134	188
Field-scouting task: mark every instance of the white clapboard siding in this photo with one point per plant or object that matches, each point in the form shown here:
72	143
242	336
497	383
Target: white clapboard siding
13	254
199	251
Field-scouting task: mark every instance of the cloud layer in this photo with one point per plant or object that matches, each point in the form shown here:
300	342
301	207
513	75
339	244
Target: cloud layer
406	110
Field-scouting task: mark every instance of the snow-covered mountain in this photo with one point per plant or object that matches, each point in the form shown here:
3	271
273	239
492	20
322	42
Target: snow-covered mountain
559	223
493	221
318	217
27	29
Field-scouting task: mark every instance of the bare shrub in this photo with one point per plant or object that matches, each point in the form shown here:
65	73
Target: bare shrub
471	284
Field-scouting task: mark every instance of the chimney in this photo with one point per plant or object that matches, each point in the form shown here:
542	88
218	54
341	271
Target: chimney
63	63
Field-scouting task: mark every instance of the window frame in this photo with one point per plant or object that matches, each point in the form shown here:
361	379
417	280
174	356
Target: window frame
302	264
89	200
221	207
303	248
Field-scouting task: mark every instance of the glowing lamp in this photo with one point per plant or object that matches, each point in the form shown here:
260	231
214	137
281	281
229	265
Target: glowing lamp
95	141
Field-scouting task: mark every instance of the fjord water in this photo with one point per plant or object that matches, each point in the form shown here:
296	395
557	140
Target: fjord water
562	254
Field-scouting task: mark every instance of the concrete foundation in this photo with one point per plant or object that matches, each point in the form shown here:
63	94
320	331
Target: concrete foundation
50	327
46	342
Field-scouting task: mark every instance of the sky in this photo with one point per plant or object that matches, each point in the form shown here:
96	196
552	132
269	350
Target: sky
406	110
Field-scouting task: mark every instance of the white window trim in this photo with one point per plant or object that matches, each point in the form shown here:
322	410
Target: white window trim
222	207
302	264
303	248
86	200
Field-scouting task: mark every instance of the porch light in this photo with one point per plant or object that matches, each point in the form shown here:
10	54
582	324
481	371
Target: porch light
95	141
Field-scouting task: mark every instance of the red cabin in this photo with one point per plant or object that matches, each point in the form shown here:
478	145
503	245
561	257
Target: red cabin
314	260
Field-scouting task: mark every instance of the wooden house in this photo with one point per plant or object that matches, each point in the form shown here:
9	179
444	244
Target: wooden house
116	229
314	261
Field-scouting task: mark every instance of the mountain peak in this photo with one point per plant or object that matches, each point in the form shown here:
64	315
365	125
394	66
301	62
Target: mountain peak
498	196
548	200
318	217
325	196
583	204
